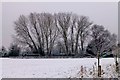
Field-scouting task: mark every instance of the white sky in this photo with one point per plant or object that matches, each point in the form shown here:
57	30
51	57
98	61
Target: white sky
0	24
104	13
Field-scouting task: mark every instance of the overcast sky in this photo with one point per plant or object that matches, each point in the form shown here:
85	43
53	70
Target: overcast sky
105	14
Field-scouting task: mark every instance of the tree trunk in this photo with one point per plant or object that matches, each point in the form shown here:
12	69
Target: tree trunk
76	45
66	45
116	63
82	49
99	71
99	66
47	45
72	43
65	41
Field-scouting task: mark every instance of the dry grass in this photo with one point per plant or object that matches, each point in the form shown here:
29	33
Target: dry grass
107	72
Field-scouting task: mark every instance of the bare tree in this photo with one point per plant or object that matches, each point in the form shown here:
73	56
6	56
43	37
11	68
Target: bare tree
82	28
35	30
72	32
24	34
102	40
63	25
38	31
48	30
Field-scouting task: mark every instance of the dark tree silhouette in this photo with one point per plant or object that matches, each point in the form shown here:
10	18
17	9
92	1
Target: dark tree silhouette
14	50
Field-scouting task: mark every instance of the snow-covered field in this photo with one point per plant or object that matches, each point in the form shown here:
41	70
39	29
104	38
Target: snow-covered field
57	68
0	69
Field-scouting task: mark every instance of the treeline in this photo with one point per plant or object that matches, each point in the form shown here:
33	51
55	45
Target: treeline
67	34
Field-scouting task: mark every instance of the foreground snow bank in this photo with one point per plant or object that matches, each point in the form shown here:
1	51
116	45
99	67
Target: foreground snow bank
57	68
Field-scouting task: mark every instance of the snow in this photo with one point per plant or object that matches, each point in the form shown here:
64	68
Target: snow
0	69
57	68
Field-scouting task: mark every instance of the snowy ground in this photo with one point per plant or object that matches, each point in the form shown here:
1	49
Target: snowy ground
0	69
57	68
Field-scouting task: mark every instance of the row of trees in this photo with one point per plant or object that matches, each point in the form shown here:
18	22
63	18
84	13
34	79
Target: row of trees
68	33
45	33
